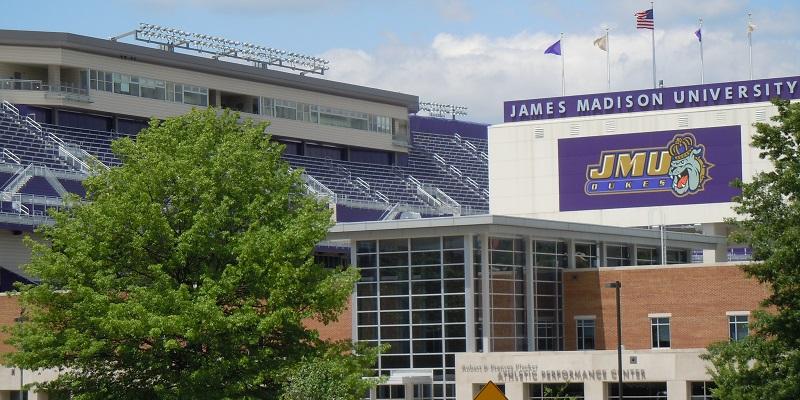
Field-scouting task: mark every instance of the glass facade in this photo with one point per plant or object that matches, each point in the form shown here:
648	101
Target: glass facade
138	86
617	255
330	116
419	296
411	297
549	258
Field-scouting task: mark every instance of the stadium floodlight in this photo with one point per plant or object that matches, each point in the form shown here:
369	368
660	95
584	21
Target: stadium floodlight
442	110
170	38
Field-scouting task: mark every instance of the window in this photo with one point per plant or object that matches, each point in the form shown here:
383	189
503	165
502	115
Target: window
152	88
585	255
646	256
739	326
585	332
617	255
639	390
660	332
195	95
547	391
677	256
702	390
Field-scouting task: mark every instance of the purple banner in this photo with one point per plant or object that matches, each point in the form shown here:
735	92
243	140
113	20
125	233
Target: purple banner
686	166
652	99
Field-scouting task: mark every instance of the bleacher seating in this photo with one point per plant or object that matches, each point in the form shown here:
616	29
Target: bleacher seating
96	143
440	161
30	148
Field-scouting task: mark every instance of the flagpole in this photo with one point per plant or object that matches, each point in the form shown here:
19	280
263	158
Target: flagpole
653	36
702	68
608	60
750	41
563	74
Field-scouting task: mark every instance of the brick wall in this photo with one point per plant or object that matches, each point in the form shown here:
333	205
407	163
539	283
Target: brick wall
337	330
697	297
9	309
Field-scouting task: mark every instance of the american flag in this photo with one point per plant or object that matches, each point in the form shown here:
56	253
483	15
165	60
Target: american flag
644	19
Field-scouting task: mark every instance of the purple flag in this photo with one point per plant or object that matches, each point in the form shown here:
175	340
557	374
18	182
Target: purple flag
554	48
699	34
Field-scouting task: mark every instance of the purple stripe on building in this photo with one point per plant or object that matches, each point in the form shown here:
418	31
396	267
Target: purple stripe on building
446	126
727	93
687	166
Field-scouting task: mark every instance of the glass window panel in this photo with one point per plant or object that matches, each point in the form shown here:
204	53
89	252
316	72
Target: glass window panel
427	331
453	242
397	346
428	243
455	345
366	246
394	332
455	330
394	303
366	260
453	257
454	271
427	361
394	317
394	274
367	289
427	272
454	316
426	258
428	346
368	318
394	245
394	288
425	302
393	259
390	362
368	274
453	301
454	286
367	304
426	317
426	287
368	333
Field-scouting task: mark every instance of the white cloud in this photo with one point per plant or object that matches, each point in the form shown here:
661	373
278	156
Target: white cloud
481	72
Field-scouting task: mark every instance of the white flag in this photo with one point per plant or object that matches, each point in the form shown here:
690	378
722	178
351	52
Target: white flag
602	42
751	27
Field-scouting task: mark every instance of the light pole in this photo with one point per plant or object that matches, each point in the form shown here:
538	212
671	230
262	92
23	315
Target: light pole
617	285
19	320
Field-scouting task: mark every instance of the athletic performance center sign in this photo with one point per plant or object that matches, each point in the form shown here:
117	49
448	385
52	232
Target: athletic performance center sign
653	99
689	166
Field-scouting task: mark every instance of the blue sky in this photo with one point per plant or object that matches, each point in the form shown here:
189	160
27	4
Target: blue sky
470	53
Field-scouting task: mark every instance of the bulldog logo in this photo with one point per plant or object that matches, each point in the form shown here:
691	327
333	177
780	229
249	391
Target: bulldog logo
679	167
688	167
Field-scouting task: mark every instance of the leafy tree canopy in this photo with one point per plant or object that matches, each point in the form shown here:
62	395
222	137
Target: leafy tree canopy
767	364
187	275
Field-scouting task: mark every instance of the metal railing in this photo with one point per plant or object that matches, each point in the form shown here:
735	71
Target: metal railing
8	154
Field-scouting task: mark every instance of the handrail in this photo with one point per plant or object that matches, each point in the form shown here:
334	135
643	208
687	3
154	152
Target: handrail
473	183
439	158
361	182
8	153
14	185
53	181
10	107
382	196
318	187
32	122
484	156
455	170
457	137
72	159
470	146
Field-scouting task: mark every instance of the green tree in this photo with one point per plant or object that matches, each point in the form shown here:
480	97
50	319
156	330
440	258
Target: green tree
766	365
187	275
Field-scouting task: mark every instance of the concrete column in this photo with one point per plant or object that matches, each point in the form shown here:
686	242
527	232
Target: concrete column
53	76
677	390
719	254
34	395
571	253
373	393
601	256
486	311
218	98
515	390
530	316
634	262
469	292
409	391
594	390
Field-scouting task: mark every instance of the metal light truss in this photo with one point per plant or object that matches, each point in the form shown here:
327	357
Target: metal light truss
442	110
170	38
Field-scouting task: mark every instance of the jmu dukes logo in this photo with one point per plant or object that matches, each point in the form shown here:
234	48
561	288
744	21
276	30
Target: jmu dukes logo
679	167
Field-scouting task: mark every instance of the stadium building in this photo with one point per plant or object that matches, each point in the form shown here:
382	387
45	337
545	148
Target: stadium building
504	276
